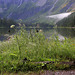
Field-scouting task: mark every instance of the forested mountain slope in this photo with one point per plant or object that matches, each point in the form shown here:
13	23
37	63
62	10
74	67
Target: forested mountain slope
67	22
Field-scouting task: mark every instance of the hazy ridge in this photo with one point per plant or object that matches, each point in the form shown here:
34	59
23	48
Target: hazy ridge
33	9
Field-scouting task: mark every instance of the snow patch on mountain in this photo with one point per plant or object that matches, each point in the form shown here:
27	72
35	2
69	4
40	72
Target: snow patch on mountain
60	16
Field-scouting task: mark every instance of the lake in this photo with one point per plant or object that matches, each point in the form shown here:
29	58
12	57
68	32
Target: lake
48	32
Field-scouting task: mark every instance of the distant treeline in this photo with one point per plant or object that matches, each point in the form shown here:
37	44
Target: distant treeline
38	25
6	22
67	22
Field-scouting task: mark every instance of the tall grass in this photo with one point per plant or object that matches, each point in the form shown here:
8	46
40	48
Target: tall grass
33	47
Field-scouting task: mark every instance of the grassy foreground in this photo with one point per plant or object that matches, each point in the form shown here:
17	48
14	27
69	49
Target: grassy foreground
24	52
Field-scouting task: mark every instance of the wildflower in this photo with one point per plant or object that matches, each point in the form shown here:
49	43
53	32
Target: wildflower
12	26
40	30
25	51
73	44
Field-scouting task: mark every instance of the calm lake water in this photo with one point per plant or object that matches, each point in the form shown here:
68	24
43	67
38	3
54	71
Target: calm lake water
48	32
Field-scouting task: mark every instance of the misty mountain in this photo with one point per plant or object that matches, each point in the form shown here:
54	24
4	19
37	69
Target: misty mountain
34	9
67	22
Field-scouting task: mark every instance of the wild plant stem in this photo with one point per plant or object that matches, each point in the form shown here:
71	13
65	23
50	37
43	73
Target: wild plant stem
18	47
31	35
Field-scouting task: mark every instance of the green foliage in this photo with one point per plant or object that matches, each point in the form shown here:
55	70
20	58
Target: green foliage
25	49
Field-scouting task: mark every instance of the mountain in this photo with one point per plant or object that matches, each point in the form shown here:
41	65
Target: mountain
58	17
67	22
31	10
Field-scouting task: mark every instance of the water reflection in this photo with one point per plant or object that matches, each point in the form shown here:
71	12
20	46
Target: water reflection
5	33
67	32
62	33
48	32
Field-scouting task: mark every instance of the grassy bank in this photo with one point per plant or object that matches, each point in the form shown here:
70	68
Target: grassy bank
24	52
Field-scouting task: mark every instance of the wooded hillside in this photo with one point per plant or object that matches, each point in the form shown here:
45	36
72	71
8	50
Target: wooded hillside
6	23
67	22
